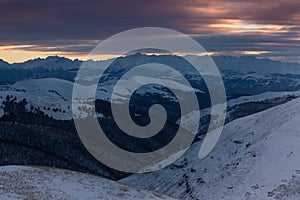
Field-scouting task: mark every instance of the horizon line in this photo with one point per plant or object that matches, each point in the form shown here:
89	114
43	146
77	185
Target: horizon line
145	54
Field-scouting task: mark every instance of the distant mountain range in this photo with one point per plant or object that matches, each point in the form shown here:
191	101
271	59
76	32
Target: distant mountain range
245	75
64	68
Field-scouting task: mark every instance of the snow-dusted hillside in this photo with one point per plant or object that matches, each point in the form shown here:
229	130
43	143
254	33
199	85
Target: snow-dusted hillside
53	96
22	182
51	93
261	97
46	94
257	157
187	121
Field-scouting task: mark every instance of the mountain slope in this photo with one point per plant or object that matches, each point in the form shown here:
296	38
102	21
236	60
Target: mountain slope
3	65
53	93
21	182
257	157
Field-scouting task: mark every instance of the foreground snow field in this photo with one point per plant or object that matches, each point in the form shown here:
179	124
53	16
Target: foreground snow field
35	183
257	157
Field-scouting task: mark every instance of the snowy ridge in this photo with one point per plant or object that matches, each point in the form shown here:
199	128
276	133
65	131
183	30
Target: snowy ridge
261	97
247	64
42	86
188	121
257	157
45	93
50	63
57	93
22	182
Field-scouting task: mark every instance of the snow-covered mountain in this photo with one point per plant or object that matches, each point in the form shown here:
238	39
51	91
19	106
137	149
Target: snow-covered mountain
51	63
22	182
64	68
247	64
52	93
53	66
240	107
243	64
257	157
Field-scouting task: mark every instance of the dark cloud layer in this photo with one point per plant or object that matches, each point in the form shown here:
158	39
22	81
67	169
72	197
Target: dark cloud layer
75	26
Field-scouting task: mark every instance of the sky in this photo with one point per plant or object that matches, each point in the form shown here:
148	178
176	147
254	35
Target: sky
72	28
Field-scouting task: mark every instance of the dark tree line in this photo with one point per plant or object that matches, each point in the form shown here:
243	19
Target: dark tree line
16	111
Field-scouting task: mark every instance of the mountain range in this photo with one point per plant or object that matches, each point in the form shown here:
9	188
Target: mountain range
255	158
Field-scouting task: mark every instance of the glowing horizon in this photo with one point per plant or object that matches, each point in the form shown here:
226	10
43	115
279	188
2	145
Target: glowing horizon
261	28
84	57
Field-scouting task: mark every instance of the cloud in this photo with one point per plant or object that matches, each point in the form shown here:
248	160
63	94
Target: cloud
76	26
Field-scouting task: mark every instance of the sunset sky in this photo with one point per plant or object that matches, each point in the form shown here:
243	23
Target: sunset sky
71	28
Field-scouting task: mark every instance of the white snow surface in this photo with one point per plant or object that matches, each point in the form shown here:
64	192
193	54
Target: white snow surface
257	157
26	182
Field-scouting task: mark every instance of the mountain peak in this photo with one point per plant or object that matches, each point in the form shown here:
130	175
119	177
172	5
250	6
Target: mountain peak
3	62
4	65
57	58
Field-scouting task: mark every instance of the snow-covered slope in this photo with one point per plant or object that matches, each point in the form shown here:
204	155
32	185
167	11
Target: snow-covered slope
22	182
257	157
188	120
53	96
46	94
53	93
45	86
261	97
